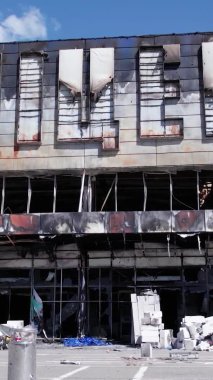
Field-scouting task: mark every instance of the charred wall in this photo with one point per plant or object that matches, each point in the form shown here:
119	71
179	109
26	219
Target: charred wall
106	187
182	276
153	108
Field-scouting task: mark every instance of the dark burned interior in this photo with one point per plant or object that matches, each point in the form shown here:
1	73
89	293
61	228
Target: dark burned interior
85	280
110	192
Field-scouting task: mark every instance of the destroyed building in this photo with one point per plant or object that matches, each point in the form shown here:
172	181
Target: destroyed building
106	153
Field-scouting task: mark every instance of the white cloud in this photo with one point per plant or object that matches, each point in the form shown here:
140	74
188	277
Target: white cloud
56	24
31	25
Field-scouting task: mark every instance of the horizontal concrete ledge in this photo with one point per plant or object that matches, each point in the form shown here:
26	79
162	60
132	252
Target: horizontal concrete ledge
121	222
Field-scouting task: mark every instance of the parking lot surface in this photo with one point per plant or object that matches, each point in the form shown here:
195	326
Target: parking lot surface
55	362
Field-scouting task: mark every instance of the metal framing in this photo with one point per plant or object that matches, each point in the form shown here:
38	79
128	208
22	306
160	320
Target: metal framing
105	284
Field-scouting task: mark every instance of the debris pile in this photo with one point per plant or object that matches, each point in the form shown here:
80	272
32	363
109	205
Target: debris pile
147	320
195	333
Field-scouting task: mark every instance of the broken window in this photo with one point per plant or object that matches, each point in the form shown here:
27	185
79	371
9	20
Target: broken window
15	201
158	191
42	194
86	111
157	87
104	192
30	97
130	191
68	190
184	195
122	287
205	189
207	53
125	191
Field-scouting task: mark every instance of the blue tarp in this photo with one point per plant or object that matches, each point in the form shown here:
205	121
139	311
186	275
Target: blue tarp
85	341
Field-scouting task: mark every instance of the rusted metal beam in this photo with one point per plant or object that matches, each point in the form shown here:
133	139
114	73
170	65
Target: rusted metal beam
29	195
170	190
107	196
145	192
89	194
198	190
116	192
81	192
54	193
3	195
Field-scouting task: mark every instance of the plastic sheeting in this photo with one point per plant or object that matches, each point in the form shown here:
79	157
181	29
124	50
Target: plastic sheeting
101	68
85	341
71	69
6	330
207	52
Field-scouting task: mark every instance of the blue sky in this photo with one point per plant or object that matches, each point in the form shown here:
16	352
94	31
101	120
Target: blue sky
59	19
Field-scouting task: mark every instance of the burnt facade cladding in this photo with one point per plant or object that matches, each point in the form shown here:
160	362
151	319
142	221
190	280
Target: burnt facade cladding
106	180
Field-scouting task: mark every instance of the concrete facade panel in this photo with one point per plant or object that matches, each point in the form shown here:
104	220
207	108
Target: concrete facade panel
129	150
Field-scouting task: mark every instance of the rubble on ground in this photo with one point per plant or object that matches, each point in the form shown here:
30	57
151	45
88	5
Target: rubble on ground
147	320
195	333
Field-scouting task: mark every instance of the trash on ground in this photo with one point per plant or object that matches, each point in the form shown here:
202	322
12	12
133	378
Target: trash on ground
85	341
69	362
183	355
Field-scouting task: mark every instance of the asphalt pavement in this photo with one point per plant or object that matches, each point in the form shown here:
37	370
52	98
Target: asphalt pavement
55	362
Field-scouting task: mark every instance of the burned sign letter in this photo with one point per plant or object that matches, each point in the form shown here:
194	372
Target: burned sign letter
207	54
70	94
30	97
102	104
159	82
